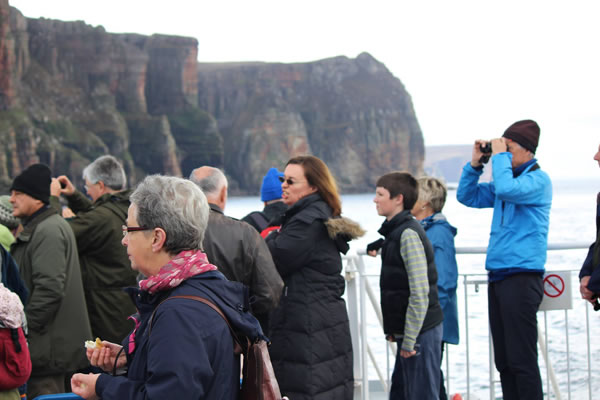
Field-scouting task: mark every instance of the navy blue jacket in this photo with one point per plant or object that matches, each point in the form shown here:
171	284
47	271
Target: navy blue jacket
11	278
189	353
591	265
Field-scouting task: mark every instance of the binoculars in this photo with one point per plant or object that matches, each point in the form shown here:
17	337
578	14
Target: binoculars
486	149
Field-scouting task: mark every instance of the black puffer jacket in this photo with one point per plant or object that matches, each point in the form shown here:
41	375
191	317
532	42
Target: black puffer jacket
311	348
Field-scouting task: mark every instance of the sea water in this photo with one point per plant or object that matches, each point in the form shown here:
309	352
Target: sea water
572	219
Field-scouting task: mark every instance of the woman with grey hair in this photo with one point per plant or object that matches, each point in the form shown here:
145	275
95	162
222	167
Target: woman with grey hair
428	210
180	349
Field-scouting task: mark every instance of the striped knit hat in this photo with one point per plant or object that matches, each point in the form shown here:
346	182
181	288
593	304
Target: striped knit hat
6	213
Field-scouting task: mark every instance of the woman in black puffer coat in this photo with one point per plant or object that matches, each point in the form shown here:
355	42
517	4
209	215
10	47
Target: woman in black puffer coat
311	347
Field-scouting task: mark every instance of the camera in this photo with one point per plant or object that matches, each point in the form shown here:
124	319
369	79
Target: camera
485	148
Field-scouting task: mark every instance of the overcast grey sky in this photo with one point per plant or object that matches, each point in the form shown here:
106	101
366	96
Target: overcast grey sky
471	67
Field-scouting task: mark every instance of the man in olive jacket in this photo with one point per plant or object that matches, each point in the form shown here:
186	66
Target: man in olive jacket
97	226
236	248
46	253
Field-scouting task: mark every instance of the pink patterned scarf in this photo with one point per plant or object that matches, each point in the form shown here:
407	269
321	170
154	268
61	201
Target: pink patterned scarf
183	266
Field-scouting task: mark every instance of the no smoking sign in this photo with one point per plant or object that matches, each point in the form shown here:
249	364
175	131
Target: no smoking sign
554	285
557	291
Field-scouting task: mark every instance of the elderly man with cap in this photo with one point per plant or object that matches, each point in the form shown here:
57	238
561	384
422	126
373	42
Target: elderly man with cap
46	253
521	195
270	194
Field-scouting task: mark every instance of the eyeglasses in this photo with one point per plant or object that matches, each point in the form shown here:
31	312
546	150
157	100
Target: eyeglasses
289	181
127	229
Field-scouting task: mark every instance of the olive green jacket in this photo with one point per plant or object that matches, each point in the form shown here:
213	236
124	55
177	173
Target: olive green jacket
46	253
105	267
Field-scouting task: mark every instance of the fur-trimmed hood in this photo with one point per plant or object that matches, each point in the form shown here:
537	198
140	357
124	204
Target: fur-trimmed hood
344	226
342	230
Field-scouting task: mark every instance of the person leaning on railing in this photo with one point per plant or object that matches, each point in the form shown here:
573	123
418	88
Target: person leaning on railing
589	276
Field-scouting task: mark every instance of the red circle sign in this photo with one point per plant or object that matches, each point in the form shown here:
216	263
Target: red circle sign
554	285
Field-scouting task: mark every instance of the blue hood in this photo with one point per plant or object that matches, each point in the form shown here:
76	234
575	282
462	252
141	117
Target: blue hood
437	219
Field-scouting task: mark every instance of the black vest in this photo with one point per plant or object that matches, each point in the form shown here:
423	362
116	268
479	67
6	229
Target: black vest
394	278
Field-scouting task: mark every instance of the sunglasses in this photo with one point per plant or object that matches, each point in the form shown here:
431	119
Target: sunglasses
289	181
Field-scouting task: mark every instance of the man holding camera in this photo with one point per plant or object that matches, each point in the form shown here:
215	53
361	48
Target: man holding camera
589	276
521	195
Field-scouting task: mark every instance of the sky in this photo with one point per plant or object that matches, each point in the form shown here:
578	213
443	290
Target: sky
472	68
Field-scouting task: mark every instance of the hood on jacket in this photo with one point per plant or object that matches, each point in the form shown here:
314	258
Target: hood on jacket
342	230
435	219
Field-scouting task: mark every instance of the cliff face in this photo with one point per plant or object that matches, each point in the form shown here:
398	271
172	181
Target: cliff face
352	113
70	92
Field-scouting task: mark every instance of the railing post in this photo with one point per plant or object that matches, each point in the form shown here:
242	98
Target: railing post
363	329
467	337
354	316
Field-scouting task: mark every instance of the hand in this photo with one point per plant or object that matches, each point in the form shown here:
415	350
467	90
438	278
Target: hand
67	213
373	247
55	187
586	294
499	146
407	354
477	153
68	188
104	357
85	385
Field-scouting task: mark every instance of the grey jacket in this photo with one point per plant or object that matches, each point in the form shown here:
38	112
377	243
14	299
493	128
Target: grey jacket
46	253
239	252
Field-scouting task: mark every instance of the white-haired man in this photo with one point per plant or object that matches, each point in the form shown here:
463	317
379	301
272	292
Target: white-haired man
105	267
236	248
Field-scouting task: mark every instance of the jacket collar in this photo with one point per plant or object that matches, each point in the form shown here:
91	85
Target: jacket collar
388	226
116	196
33	221
312	206
215	208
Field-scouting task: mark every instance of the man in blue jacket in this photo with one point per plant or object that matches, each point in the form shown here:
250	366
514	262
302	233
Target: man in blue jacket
589	276
521	195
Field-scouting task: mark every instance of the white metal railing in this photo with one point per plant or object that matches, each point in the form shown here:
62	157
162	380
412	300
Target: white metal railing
361	295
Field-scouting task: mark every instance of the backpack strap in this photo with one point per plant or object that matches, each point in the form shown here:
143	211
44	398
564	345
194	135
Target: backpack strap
237	349
260	219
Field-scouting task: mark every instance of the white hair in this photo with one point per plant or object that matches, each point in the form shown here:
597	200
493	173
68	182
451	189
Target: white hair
177	206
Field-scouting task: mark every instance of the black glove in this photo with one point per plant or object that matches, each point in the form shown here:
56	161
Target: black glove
376	245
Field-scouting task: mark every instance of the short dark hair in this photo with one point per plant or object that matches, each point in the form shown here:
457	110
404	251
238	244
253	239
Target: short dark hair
400	183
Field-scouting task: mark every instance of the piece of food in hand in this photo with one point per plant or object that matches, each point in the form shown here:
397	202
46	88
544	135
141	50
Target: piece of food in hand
90	344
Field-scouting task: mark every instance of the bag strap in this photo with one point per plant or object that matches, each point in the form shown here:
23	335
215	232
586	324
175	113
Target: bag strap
238	348
260	219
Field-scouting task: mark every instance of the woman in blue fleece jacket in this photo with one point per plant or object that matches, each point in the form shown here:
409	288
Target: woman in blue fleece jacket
181	349
428	210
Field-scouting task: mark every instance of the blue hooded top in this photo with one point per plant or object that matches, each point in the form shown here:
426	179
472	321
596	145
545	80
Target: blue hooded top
441	235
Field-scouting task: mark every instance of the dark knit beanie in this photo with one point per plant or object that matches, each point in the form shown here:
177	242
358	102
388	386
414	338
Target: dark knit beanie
526	133
34	181
271	186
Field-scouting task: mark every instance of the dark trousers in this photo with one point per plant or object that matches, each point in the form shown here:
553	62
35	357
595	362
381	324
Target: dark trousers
418	377
443	395
513	304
